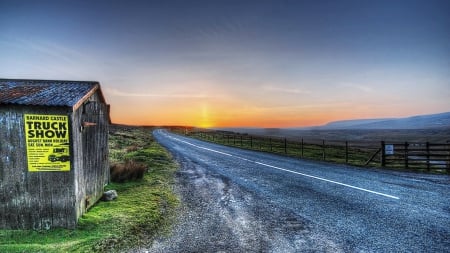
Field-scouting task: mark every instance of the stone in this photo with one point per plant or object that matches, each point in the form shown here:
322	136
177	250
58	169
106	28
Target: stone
109	195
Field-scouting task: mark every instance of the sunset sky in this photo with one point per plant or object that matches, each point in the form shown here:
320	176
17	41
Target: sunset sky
238	63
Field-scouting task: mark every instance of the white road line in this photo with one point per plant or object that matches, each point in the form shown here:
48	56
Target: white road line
330	181
286	170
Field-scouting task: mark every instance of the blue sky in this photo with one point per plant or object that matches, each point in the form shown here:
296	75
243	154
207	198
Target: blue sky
238	63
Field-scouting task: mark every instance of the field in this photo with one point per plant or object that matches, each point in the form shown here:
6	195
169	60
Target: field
441	135
143	209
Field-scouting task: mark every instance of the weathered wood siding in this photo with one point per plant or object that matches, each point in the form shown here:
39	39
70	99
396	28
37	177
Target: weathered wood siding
37	200
43	200
77	163
92	141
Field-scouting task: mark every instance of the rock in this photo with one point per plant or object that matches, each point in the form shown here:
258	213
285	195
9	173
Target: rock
109	195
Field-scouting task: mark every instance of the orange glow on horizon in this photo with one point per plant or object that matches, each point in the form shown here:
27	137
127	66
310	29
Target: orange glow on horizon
205	116
230	111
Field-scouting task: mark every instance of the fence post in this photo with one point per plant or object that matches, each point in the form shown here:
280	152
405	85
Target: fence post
234	139
285	146
448	157
346	152
270	142
383	154
406	155
241	140
302	147
428	156
323	149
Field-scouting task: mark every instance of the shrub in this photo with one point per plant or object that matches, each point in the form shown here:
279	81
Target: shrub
130	170
131	148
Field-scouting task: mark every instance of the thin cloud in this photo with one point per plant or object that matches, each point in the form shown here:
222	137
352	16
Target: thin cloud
363	88
47	50
302	107
119	93
286	90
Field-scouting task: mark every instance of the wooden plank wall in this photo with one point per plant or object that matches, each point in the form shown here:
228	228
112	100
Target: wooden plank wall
95	149
77	162
36	200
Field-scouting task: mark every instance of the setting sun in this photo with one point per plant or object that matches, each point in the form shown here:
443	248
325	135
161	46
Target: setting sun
205	121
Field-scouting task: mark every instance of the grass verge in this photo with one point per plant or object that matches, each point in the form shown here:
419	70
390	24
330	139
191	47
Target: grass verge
143	209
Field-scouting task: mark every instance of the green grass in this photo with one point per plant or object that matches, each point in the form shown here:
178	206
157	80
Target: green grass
313	150
143	209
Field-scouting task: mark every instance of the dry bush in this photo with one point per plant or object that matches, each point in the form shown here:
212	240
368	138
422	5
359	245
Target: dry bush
131	148
130	170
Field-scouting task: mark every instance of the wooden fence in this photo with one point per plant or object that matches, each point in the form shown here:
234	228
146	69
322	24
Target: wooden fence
416	155
431	157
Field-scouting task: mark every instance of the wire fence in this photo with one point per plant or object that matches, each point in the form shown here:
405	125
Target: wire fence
427	157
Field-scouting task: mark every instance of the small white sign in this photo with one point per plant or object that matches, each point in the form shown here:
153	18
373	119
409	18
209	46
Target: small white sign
388	149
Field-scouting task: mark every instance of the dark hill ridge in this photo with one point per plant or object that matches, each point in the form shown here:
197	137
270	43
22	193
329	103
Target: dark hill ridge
414	122
439	120
431	128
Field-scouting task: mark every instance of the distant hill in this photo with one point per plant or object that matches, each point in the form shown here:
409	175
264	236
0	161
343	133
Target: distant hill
415	122
424	128
430	121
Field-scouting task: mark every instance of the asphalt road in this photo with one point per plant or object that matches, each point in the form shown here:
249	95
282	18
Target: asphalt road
237	200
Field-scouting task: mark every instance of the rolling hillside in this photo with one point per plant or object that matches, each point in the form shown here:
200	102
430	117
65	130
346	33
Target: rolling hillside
432	128
415	122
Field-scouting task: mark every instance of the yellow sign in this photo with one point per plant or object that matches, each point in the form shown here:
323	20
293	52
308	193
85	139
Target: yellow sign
47	139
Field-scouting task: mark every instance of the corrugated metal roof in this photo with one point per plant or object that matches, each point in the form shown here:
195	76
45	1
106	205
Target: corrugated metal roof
44	92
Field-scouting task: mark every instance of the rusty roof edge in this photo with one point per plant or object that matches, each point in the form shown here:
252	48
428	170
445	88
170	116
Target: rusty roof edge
45	80
86	96
90	93
79	102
